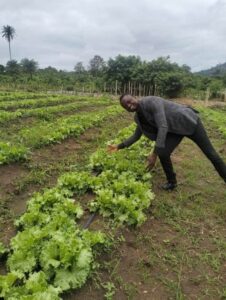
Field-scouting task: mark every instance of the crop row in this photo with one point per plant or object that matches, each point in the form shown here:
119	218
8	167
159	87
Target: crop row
51	132
33	103
47	112
122	187
51	253
29	103
15	96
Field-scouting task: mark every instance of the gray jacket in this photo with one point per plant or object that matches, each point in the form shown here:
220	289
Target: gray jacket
166	116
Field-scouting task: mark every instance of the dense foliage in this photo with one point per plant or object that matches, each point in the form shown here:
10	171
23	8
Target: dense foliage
50	253
122	188
117	75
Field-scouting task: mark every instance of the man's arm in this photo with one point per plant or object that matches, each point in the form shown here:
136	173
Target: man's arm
131	140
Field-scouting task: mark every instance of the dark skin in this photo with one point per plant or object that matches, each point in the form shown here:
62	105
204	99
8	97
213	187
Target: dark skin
131	104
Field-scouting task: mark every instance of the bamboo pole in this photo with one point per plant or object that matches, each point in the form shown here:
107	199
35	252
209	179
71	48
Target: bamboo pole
139	90
150	90
116	87
207	96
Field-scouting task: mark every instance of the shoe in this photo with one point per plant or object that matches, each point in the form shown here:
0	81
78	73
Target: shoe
169	186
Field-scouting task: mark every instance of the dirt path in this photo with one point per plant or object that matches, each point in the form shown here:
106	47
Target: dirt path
180	251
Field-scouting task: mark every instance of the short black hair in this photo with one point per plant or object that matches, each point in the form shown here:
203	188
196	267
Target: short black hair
123	95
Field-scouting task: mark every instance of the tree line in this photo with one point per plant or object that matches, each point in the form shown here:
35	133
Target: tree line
117	75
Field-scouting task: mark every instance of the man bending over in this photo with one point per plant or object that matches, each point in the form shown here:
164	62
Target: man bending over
167	123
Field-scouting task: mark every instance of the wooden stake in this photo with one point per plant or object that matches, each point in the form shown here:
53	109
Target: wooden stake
139	90
207	96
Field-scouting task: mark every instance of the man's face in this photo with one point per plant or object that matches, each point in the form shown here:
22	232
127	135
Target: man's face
129	103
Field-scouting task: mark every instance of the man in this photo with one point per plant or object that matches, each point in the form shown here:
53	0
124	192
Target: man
167	123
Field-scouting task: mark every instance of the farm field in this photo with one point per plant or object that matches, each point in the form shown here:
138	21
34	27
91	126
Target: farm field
143	243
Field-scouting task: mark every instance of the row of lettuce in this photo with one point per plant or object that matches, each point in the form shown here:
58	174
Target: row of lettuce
34	103
14	96
46	133
51	252
48	112
45	102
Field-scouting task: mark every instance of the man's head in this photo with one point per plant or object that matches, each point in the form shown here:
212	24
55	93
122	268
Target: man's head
129	102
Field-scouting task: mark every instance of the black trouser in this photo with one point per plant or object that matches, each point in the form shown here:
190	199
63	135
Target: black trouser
201	139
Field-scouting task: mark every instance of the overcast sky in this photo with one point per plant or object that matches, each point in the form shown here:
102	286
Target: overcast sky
61	33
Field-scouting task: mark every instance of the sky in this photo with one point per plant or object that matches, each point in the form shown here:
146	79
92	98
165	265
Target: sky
61	33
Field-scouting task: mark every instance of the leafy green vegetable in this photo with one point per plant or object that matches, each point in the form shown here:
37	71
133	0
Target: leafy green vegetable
51	132
51	253
52	242
10	153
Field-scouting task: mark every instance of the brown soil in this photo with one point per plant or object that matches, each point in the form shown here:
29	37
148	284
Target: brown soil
8	174
68	147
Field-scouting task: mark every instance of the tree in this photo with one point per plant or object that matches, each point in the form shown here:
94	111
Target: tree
96	65
12	68
2	69
29	66
186	68
49	76
216	88
8	32
170	84
79	68
122	68
80	73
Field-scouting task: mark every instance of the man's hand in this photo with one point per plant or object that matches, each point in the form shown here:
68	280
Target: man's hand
112	148
151	161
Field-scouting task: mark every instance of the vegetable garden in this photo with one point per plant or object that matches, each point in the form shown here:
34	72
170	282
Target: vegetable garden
52	251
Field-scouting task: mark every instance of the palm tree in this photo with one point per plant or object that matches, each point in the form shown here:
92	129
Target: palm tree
8	33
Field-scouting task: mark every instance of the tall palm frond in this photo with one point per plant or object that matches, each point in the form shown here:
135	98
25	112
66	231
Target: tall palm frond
8	32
